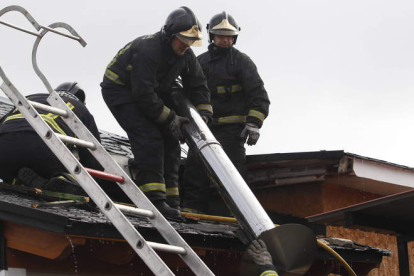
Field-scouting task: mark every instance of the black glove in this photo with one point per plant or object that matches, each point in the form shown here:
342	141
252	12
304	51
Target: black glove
253	132
207	119
258	252
176	125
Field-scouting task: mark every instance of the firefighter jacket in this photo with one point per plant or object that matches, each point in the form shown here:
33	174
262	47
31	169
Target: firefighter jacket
14	121
267	270
143	72
237	91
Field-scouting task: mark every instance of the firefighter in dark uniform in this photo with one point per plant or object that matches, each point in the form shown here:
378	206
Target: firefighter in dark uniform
25	158
240	103
136	87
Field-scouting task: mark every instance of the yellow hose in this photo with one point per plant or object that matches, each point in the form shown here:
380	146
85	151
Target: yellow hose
337	256
320	242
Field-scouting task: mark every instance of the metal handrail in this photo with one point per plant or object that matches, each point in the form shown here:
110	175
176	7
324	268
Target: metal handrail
51	28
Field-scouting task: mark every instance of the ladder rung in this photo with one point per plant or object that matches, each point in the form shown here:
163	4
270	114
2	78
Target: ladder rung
167	248
135	211
20	29
79	39
76	141
49	108
106	176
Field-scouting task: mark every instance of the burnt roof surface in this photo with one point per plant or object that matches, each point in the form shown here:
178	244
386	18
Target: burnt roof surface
89	222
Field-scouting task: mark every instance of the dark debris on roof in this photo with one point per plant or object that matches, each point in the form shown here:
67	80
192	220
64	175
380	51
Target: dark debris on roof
18	208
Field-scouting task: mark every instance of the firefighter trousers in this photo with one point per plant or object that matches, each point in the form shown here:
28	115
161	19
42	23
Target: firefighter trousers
156	154
26	149
196	180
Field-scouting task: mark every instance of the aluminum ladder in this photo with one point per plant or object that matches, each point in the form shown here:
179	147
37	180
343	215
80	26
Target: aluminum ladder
114	212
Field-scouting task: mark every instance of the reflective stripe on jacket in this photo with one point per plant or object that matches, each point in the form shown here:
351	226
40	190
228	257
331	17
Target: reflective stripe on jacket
144	71
237	91
14	122
49	118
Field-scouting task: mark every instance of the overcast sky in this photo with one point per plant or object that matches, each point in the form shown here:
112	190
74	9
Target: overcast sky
340	74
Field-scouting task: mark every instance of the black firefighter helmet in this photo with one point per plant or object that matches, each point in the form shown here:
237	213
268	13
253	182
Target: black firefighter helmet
73	88
183	24
223	24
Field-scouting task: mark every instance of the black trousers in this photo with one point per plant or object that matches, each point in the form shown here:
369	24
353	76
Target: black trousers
26	149
156	153
196	181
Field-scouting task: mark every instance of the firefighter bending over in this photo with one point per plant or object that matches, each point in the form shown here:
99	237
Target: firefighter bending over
26	159
137	87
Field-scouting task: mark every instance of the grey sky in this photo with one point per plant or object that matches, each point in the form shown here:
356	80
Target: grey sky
340	74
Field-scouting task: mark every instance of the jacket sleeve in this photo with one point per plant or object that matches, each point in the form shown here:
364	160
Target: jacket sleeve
256	95
144	83
267	270
195	85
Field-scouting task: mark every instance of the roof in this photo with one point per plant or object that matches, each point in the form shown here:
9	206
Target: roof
391	213
72	220
87	222
355	171
359	172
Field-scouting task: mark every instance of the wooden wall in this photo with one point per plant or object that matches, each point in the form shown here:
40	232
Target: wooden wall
298	200
411	253
389	265
310	199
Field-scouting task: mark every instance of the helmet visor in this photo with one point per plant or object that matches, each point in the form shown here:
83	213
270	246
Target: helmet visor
191	37
190	42
224	28
224	32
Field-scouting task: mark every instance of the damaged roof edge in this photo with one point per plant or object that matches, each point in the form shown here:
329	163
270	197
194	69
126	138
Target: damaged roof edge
380	170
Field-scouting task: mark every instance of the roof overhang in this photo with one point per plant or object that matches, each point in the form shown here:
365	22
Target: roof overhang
345	169
390	213
374	176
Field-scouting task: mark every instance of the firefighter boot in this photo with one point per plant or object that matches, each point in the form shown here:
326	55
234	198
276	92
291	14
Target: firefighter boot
61	182
65	183
166	210
31	179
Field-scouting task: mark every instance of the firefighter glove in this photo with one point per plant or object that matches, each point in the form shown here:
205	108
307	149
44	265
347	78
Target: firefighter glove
206	119
252	132
176	127
258	252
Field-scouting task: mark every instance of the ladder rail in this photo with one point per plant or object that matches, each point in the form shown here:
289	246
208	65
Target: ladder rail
26	14
36	46
131	189
105	204
85	179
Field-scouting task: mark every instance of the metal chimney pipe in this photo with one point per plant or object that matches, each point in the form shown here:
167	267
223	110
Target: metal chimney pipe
292	246
230	184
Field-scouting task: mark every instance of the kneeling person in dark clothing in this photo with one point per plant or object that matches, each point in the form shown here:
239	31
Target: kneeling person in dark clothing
25	158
